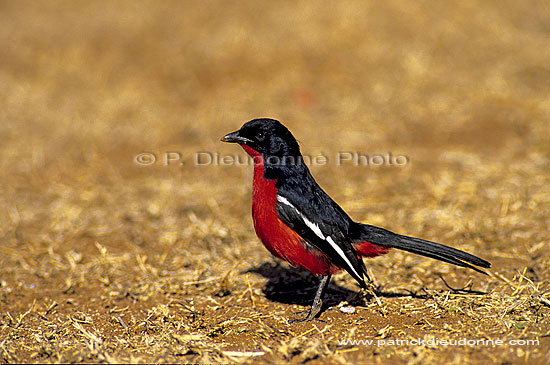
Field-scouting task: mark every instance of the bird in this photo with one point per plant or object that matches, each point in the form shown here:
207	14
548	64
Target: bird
297	221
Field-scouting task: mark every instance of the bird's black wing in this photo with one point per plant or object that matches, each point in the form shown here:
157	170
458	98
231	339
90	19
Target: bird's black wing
310	212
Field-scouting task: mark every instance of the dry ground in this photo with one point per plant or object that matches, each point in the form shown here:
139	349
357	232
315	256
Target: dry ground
104	260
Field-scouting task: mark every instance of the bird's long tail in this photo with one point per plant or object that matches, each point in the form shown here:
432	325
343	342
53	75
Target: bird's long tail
385	238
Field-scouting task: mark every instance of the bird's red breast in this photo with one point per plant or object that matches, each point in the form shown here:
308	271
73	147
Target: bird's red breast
275	235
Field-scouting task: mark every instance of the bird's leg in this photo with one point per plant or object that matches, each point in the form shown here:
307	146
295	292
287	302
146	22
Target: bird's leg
371	288
317	302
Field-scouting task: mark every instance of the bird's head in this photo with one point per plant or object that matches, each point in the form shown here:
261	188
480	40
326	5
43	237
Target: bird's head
265	137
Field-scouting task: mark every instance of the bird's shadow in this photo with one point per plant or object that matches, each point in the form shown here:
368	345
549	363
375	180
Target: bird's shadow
289	285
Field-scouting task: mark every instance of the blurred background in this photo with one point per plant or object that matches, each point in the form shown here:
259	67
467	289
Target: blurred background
462	88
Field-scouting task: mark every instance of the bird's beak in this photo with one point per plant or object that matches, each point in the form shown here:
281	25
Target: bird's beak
234	137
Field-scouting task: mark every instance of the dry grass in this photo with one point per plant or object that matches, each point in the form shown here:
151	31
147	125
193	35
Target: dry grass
103	260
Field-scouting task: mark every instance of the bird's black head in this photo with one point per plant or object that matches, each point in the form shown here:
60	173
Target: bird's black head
267	137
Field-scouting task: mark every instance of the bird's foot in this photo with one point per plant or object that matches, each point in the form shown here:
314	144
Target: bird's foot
301	312
312	313
372	288
307	318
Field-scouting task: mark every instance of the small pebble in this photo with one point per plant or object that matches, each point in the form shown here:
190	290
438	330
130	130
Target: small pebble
349	309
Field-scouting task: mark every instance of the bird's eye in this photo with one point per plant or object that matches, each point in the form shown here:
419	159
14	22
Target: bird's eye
260	136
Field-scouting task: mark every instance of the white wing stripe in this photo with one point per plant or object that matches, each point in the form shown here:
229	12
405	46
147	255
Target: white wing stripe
315	228
284	200
341	253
